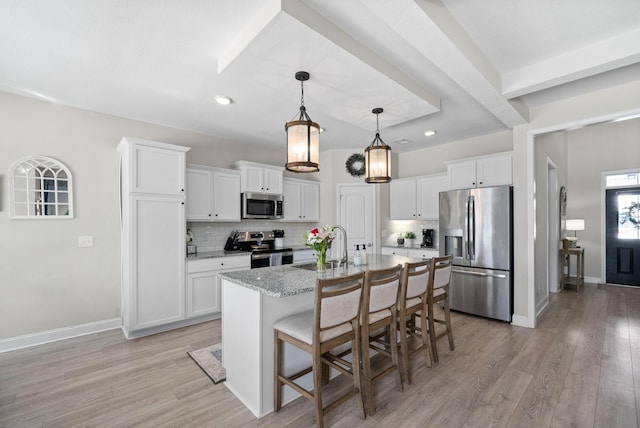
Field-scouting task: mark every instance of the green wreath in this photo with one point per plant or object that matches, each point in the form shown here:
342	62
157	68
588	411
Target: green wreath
355	165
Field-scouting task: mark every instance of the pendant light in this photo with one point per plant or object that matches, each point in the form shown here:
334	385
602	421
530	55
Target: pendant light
303	137
377	157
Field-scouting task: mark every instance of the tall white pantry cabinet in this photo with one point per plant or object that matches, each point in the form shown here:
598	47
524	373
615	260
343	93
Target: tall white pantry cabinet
153	233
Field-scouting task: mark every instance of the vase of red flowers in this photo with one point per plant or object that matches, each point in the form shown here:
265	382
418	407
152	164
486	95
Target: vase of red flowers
320	240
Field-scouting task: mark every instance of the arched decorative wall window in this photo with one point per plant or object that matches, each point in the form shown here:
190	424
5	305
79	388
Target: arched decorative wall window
41	187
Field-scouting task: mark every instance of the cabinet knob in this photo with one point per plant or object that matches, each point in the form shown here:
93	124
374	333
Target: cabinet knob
473	183
209	214
216	215
481	182
419	215
182	190
414	215
182	203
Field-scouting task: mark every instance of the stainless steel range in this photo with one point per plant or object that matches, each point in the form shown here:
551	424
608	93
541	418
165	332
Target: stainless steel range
262	247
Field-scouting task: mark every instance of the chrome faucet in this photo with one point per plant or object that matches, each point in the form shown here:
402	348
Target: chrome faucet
345	256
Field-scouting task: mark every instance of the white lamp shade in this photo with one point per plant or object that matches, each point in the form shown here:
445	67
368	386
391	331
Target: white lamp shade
303	146
575	224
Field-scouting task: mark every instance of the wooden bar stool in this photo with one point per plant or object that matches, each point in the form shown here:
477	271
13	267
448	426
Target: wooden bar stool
334	321
412	301
438	291
379	299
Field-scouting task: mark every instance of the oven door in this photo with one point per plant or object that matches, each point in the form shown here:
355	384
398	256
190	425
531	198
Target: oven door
260	260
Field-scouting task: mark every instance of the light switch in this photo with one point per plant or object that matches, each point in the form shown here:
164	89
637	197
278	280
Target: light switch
85	241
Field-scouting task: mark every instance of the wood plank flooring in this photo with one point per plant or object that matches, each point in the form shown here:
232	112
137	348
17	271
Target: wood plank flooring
579	368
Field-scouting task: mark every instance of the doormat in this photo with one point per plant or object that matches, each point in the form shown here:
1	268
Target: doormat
210	361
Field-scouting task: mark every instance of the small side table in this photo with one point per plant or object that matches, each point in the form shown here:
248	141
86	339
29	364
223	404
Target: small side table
565	260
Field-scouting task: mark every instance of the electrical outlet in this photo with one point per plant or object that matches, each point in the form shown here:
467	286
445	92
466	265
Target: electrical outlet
85	241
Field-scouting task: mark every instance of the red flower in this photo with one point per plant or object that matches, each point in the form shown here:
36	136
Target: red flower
314	231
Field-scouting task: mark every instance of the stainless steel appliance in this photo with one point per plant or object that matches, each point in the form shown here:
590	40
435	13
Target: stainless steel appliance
427	238
476	226
261	206
262	248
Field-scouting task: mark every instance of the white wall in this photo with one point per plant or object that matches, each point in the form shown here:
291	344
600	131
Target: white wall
592	107
551	146
592	151
46	281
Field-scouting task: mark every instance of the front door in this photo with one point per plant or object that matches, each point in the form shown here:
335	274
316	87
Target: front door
623	236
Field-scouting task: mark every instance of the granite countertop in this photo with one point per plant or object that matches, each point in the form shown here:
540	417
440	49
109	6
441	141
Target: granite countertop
412	247
290	280
222	253
215	254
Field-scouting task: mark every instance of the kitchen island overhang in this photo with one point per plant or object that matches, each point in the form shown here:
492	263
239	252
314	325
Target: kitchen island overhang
252	301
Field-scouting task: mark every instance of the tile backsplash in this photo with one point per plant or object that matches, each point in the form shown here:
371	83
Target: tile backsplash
213	236
400	226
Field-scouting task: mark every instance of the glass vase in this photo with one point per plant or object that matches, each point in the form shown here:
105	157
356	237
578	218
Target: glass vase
322	260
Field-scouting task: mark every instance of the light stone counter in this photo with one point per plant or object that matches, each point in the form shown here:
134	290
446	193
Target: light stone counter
290	280
252	301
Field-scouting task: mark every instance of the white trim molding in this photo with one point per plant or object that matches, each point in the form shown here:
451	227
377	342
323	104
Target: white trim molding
28	340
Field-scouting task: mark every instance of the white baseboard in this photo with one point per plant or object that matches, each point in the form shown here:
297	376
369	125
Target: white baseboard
520	321
593	280
19	342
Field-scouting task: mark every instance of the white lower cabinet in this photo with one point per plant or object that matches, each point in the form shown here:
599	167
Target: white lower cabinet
394	251
304	256
423	253
203	282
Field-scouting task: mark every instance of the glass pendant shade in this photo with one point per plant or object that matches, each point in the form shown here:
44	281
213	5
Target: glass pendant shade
377	157
303	146
303	137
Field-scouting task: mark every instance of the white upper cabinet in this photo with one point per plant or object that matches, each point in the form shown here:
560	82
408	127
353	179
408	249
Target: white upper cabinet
487	171
402	198
260	178
226	195
428	190
199	191
213	194
155	167
301	200
417	198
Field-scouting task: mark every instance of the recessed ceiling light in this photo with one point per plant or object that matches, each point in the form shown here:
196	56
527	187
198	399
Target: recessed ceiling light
402	141
430	133
222	100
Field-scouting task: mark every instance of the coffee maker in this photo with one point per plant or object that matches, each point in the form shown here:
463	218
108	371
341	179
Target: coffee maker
427	238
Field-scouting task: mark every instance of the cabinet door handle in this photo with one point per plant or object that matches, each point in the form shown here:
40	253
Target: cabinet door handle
216	215
182	203
209	214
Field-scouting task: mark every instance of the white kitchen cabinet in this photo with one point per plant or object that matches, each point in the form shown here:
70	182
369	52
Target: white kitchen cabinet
153	167
402	199
153	234
213	194
417	198
260	178
305	256
487	171
203	282
394	251
301	200
422	253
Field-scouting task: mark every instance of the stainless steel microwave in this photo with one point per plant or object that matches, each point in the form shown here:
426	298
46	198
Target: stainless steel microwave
261	206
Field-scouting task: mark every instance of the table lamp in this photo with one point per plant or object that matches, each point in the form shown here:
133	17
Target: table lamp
575	225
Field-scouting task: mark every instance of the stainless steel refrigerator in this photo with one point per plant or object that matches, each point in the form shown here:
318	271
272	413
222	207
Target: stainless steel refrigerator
476	226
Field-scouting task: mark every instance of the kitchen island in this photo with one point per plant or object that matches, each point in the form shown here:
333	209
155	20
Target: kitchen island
252	301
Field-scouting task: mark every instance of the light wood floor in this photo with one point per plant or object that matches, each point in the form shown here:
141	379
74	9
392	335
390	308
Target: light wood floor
579	368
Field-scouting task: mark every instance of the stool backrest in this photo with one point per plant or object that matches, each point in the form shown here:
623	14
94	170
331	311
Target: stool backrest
415	279
381	289
440	272
338	300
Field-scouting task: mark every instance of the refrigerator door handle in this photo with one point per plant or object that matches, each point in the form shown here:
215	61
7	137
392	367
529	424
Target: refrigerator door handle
492	275
471	228
465	233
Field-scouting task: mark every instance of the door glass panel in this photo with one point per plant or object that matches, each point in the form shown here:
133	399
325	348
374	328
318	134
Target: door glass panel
628	215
